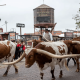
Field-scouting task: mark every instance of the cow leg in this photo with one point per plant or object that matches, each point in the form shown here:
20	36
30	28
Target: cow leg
16	69
77	61
68	61
74	61
61	74
52	72
41	74
61	67
5	74
10	59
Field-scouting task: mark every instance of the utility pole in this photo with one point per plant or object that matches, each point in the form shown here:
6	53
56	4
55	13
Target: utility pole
6	25
20	32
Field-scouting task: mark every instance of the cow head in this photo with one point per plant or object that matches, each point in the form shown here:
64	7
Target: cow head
30	57
35	42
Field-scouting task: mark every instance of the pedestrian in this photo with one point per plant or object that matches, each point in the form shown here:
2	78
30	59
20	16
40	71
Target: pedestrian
17	50
19	45
22	48
47	35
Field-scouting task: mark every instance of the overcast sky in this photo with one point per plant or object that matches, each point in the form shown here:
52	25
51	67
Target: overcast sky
21	11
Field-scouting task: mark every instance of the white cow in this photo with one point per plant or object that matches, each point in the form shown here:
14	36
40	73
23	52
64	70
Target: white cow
7	51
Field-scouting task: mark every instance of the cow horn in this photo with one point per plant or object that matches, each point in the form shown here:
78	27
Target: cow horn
16	61
75	42
56	56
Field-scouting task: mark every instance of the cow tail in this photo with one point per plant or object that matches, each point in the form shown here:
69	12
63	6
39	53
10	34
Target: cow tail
65	63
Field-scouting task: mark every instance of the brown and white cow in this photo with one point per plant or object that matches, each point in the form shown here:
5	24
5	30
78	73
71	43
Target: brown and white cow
76	50
7	51
48	54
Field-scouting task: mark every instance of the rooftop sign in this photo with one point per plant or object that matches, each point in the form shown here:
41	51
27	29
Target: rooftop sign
20	25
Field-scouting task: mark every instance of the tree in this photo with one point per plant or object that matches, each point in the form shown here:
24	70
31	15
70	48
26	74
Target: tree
77	18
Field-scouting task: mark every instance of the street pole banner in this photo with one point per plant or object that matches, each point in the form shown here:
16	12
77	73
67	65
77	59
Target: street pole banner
12	35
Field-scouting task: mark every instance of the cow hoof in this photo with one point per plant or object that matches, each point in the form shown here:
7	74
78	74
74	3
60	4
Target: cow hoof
16	70
53	78
60	76
4	75
77	70
74	64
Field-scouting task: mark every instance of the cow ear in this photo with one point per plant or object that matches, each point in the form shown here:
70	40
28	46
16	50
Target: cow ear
33	40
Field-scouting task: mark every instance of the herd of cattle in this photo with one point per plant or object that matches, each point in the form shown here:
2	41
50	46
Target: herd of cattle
45	54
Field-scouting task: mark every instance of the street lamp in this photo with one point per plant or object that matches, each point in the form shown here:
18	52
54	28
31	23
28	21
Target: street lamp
6	25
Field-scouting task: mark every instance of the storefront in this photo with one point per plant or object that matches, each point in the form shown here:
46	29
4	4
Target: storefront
8	35
3	36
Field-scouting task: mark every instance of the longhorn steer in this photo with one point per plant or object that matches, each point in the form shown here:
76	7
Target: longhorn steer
76	50
48	54
7	51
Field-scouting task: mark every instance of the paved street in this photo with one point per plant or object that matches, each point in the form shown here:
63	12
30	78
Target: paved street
33	73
